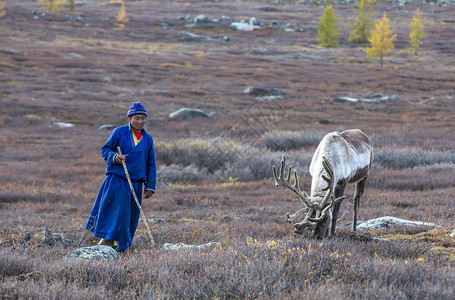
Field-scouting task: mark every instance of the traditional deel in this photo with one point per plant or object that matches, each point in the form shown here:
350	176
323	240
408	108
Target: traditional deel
115	215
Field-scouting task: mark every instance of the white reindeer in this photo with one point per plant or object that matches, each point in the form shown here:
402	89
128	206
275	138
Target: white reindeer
341	158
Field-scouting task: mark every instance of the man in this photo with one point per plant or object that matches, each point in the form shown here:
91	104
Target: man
115	214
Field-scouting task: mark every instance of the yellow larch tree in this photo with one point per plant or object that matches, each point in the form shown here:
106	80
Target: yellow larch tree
416	34
381	39
121	16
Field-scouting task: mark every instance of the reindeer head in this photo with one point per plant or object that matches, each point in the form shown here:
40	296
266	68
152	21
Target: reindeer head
317	209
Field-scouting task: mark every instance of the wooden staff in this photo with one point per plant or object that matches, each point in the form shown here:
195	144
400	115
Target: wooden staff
137	201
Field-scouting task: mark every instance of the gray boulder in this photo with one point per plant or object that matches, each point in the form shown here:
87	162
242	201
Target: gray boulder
106	127
182	246
453	233
387	222
255	91
254	22
62	124
97	253
202	19
187	113
243	26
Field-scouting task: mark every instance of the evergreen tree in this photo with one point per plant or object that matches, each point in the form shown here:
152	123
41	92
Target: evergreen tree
328	31
381	39
416	34
361	29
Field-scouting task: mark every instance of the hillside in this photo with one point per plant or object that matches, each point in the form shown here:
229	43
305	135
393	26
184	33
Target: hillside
65	74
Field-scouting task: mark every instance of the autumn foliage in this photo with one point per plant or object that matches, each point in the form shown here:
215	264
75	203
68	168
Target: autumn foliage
381	39
215	176
416	33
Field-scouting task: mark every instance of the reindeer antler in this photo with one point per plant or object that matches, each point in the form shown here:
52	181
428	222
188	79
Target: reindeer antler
286	182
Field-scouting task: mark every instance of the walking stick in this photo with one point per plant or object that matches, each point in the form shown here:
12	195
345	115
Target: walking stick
135	198
83	238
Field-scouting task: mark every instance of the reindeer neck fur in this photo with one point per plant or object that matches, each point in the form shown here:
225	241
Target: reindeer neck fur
350	154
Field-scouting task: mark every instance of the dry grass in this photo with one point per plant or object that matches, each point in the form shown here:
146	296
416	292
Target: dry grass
215	177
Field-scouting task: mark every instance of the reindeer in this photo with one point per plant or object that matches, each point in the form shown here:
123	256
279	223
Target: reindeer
341	158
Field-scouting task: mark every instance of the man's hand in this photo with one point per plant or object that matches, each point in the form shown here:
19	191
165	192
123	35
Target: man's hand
148	194
119	158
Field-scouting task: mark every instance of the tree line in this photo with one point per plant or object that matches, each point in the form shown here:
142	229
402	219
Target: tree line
378	34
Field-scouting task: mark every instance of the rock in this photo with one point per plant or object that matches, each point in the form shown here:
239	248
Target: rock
255	91
8	51
97	253
241	26
155	220
62	124
106	127
268	98
193	36
253	21
361	100
75	55
187	113
386	222
181	246
224	20
453	233
202	19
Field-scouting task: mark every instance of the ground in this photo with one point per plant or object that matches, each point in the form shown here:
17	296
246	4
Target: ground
82	68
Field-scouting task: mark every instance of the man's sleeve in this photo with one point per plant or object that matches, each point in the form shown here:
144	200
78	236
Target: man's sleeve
108	151
151	169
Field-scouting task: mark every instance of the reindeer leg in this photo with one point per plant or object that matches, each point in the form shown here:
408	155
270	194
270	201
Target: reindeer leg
339	191
359	189
293	217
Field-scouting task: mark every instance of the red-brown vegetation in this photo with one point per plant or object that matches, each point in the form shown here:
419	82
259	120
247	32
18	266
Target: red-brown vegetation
78	68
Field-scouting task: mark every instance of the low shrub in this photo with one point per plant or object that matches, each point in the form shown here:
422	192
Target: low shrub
175	173
411	158
204	154
190	160
281	140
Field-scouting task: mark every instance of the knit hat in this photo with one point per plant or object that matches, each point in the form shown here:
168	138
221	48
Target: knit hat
137	109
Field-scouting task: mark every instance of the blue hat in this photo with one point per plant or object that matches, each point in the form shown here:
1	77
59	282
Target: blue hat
137	109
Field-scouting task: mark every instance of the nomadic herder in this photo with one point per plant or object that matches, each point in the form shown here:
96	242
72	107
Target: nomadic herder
115	215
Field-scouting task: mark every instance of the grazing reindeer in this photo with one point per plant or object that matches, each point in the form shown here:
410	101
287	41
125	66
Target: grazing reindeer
341	158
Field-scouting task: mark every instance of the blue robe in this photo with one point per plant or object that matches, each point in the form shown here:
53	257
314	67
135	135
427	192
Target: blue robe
115	214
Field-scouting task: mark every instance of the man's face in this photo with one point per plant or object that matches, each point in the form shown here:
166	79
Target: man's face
138	122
